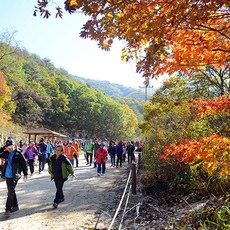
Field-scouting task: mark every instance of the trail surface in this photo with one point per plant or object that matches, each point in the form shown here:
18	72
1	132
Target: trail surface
90	200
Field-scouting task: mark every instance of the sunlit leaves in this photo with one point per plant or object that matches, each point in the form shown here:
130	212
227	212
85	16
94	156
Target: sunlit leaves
161	36
4	93
194	130
209	106
213	152
72	5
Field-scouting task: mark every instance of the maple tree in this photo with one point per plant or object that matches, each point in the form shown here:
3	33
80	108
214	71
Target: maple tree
202	106
161	36
212	152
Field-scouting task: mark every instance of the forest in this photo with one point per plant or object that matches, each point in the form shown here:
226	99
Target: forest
35	93
185	123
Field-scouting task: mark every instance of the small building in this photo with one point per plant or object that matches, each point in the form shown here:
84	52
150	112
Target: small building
44	132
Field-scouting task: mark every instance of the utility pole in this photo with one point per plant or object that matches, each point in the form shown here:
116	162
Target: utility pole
146	86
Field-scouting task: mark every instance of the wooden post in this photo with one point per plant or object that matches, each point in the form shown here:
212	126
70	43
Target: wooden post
134	179
139	159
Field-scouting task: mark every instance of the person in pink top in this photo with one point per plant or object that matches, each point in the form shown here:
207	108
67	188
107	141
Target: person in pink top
101	157
30	154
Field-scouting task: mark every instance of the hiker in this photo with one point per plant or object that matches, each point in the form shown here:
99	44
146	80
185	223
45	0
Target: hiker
76	155
119	152
49	149
96	145
112	152
69	151
89	152
30	155
42	154
59	168
101	157
133	147
15	162
130	151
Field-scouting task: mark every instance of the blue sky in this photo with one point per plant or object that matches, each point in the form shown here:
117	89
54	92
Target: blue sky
58	40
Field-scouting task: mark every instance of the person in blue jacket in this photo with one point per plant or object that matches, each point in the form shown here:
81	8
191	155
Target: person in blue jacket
14	164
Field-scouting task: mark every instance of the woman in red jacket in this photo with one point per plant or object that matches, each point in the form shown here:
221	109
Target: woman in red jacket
101	157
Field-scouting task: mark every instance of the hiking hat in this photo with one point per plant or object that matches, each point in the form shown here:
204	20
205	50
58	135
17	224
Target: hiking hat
10	143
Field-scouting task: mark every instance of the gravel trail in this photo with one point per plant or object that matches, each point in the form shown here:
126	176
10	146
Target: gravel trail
90	200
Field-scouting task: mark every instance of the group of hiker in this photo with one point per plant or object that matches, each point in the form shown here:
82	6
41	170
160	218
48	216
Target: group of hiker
60	157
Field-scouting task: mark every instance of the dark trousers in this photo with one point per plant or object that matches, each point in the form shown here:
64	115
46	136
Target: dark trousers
119	159
89	158
112	159
42	160
131	157
76	158
59	197
31	165
99	167
11	201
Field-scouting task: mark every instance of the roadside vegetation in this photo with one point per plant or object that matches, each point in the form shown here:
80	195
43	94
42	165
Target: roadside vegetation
187	149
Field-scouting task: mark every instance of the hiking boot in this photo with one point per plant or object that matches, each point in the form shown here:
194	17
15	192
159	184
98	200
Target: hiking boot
14	209
61	200
7	213
55	205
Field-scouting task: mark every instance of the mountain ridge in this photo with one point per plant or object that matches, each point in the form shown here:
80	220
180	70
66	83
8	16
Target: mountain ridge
113	89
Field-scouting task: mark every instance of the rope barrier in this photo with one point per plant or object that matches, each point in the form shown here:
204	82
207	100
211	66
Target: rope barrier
124	212
122	198
119	206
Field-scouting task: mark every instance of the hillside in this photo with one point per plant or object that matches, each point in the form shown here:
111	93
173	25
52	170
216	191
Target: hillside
134	98
113	89
34	93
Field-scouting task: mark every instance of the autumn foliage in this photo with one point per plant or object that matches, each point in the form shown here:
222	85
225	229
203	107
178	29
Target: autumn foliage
4	90
212	152
161	36
207	106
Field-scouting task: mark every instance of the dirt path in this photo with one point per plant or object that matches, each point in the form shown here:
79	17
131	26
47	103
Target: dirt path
87	199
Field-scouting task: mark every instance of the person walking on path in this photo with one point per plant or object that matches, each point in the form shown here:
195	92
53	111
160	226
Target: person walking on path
15	162
89	152
42	154
112	152
69	151
76	155
119	152
133	147
130	150
96	146
59	168
49	149
30	154
101	157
